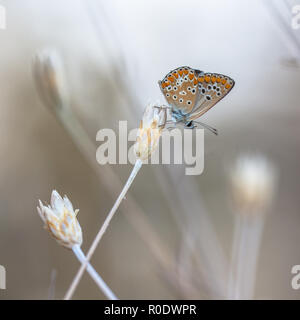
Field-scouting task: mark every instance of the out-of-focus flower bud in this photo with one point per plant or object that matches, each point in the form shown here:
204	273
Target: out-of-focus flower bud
253	181
49	75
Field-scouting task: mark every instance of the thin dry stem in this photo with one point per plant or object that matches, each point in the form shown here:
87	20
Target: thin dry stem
95	276
102	230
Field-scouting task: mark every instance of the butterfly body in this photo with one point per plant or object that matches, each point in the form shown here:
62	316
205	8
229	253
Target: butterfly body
178	117
191	92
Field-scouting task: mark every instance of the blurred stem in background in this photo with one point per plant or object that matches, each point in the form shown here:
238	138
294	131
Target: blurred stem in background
281	14
253	180
245	252
51	290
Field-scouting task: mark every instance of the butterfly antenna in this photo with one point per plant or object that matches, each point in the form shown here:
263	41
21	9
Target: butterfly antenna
206	126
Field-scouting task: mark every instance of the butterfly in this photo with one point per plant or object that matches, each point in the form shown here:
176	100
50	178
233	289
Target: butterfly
191	92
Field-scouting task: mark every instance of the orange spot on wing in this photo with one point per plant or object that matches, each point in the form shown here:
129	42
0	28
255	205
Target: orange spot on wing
166	84
175	75
224	81
171	79
200	79
191	76
213	79
207	78
195	81
180	72
228	86
163	85
185	72
218	79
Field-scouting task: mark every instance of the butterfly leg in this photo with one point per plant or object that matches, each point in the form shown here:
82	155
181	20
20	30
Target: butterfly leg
206	126
172	125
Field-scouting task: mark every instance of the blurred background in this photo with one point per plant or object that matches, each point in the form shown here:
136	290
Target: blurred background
232	232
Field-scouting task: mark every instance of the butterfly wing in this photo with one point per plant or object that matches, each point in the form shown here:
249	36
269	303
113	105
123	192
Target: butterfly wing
180	88
212	87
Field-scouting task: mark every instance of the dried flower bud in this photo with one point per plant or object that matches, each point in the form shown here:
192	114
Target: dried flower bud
154	120
253	182
60	220
49	76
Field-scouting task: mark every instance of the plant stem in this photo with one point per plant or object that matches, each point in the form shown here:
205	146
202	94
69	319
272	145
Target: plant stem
93	273
51	291
252	232
102	230
245	251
